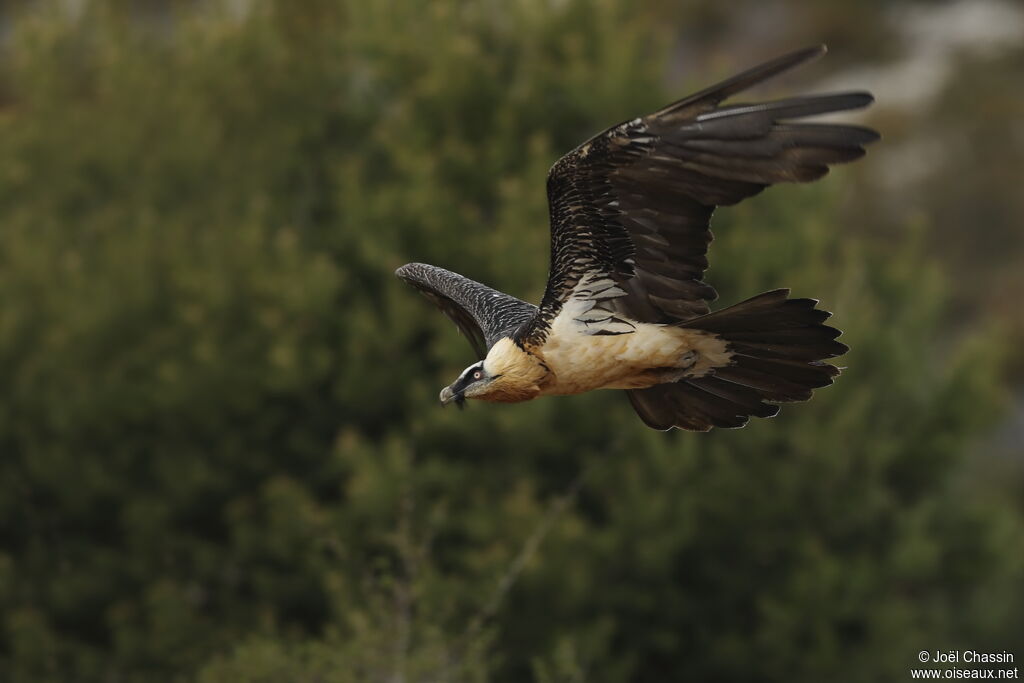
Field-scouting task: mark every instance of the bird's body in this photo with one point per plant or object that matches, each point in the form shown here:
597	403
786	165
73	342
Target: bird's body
579	361
653	354
625	306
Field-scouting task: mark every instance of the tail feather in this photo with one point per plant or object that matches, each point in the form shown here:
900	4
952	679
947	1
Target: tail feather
805	352
777	346
736	394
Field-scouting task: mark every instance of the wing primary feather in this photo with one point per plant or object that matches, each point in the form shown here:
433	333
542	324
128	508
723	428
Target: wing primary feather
794	107
711	96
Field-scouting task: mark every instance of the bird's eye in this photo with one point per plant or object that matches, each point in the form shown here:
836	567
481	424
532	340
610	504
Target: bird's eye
477	374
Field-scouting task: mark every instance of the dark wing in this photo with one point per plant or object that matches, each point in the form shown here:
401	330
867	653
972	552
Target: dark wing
483	315
630	208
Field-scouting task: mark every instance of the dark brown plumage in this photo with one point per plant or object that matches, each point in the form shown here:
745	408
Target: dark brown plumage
630	210
634	203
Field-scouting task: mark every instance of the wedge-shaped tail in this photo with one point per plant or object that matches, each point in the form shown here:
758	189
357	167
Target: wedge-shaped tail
778	346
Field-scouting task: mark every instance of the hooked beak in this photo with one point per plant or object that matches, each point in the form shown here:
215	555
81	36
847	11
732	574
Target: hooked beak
447	396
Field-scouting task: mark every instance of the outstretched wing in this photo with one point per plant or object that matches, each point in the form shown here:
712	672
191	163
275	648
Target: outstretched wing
483	315
630	208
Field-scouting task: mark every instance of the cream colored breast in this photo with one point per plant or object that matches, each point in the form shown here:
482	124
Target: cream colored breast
583	361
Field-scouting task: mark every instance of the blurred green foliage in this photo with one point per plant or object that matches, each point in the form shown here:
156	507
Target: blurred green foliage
222	458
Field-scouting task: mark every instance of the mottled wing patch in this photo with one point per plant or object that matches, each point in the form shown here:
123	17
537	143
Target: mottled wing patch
590	306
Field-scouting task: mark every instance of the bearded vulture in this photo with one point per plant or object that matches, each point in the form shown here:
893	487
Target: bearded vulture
625	306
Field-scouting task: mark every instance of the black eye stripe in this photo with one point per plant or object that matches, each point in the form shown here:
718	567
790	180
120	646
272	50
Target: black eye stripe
472	374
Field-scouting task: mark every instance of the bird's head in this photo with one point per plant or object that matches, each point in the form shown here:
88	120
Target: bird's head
471	383
509	374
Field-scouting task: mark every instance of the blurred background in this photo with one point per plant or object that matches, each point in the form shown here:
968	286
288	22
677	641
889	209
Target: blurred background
221	454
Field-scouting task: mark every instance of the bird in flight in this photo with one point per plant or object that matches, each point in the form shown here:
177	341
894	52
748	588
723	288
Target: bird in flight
625	306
